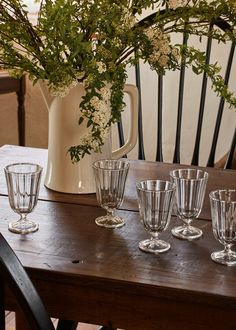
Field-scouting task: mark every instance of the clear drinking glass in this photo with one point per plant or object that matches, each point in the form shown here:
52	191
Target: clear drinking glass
110	177
190	192
155	199
23	182
223	213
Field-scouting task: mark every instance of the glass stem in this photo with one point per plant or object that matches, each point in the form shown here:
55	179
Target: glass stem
227	248
23	217
110	212
154	235
187	223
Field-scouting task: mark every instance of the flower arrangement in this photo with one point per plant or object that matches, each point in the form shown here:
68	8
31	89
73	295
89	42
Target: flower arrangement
93	41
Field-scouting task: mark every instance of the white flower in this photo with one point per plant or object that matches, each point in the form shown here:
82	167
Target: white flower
161	47
117	42
101	113
165	48
80	74
106	93
101	67
128	20
150	33
173	4
163	60
175	53
63	89
88	139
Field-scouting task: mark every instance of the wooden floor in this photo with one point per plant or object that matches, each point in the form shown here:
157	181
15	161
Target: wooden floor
10	323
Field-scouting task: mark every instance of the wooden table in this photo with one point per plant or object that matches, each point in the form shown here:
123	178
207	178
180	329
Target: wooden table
99	276
11	85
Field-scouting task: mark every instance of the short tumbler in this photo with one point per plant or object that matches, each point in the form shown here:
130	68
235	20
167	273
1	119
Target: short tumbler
155	205
23	182
223	212
110	177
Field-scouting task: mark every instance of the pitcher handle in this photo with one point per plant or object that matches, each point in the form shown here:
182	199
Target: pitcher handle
132	91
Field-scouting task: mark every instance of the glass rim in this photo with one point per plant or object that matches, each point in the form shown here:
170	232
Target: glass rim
211	195
154	190
126	162
38	170
206	174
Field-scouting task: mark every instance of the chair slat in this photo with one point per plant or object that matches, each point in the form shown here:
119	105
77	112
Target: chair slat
229	161
159	152
211	159
195	158
121	133
141	154
176	158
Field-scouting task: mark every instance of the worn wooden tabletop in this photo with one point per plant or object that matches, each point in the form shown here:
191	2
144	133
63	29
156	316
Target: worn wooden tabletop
97	275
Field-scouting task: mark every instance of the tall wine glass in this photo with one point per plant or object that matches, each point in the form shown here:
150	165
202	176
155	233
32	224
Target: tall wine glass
223	212
110	177
23	182
190	192
155	205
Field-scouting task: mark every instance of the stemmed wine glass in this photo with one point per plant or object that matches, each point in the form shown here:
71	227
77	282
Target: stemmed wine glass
23	182
155	205
190	192
110	177
223	212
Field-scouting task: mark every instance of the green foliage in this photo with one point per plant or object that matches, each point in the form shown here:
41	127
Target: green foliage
93	41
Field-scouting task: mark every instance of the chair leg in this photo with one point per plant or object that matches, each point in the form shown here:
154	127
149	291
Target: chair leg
66	325
2	306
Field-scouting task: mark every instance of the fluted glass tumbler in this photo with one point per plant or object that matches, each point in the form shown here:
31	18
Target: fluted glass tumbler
223	213
190	192
155	199
23	182
110	178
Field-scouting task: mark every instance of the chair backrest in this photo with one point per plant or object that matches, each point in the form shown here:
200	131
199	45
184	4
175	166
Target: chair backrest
179	108
15	277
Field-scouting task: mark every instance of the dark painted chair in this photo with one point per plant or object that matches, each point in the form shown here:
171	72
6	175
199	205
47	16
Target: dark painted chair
178	110
15	277
13	274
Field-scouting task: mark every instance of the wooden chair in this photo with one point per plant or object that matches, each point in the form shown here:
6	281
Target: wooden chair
11	85
15	277
178	111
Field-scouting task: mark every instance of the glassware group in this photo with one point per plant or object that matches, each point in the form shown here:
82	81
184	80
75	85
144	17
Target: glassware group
184	194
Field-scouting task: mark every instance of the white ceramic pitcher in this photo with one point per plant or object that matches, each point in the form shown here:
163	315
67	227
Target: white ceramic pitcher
61	174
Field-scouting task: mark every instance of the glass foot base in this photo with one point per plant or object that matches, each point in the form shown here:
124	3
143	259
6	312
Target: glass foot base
224	258
110	221
23	227
186	232
154	246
